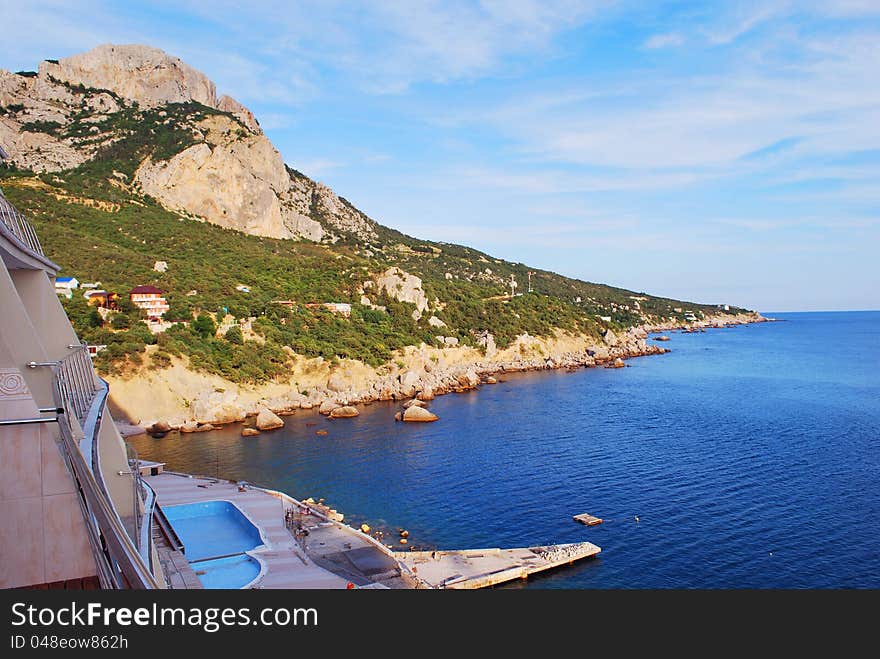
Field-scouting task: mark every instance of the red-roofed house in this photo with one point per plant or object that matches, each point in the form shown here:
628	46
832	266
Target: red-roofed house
150	299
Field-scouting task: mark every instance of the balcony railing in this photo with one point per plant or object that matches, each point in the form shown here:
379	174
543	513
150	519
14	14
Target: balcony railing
16	223
122	555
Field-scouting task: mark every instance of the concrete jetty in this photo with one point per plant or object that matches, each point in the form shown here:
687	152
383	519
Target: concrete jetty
482	568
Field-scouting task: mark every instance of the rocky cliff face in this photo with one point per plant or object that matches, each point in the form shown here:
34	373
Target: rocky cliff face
230	174
232	178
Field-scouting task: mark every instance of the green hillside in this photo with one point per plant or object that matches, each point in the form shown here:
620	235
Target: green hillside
99	229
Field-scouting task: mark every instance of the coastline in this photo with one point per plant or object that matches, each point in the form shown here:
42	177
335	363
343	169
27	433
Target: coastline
191	402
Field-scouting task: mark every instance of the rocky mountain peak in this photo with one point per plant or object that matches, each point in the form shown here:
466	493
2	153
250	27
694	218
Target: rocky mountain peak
224	169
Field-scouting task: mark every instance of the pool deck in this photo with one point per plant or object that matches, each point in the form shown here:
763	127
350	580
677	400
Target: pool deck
333	554
330	557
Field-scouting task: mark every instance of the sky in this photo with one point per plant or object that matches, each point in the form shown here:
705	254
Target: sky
718	152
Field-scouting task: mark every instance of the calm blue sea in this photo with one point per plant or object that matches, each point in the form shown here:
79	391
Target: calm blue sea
750	455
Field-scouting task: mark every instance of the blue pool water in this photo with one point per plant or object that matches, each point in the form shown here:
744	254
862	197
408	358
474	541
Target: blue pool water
230	572
212	528
751	456
217	530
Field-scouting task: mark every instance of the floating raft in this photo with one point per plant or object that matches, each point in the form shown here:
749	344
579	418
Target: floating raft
481	568
586	518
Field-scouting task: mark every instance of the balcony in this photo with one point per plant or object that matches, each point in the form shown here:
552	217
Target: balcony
22	248
117	505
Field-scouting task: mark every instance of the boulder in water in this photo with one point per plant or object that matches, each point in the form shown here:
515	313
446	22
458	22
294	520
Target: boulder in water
416	413
344	412
268	420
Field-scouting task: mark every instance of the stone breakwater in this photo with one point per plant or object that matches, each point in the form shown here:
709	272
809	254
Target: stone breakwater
420	373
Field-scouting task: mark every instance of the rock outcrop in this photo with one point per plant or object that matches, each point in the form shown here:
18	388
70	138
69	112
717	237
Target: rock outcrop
268	420
344	412
416	413
403	287
141	73
235	180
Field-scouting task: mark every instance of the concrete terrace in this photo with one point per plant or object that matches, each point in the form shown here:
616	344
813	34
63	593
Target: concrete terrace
331	556
482	568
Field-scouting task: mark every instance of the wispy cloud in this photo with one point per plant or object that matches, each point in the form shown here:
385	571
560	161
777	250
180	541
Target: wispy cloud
742	19
667	40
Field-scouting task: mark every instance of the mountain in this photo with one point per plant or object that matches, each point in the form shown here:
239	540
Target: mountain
124	156
218	165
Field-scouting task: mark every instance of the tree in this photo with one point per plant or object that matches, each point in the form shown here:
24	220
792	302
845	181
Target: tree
180	310
234	335
204	326
120	321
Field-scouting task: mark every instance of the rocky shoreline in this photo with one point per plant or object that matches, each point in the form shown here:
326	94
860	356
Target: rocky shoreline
421	374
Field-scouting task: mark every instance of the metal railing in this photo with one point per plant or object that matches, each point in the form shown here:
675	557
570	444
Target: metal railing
19	226
122	561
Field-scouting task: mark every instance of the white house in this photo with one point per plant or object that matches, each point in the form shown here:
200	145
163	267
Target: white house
66	285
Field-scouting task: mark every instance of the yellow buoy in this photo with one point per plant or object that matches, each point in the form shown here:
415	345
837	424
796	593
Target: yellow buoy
403	541
365	528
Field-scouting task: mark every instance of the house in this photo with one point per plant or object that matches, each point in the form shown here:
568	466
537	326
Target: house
102	299
160	266
689	316
95	349
90	285
150	299
342	308
65	286
243	288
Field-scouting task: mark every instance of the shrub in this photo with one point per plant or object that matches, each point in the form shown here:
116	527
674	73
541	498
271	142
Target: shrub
204	326
234	335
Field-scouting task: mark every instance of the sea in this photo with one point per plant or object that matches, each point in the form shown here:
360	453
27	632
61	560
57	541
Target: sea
747	457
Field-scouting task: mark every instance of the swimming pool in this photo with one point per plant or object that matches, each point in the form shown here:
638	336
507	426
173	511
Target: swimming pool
229	572
215	536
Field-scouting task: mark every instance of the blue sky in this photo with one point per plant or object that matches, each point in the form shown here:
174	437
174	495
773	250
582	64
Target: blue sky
711	151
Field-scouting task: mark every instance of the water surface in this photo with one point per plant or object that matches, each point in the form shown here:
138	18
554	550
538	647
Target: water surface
749	455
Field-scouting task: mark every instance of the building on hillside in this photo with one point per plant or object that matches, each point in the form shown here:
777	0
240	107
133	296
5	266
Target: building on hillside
342	308
160	266
102	299
66	285
150	299
243	289
90	285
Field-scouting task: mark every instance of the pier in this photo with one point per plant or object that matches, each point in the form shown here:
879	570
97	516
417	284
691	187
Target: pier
482	568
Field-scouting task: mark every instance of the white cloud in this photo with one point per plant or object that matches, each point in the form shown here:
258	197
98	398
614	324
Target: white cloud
744	17
667	40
